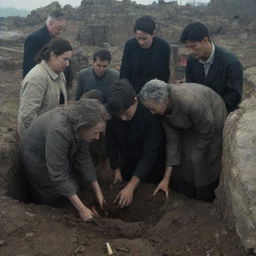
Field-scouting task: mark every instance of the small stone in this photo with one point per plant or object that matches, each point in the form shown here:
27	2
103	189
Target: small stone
30	214
3	243
73	240
29	236
80	249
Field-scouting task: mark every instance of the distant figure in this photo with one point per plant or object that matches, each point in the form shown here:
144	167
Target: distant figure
99	76
44	87
193	117
146	56
134	141
55	154
54	26
212	66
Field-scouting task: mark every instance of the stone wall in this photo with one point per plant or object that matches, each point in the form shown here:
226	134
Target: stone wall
236	195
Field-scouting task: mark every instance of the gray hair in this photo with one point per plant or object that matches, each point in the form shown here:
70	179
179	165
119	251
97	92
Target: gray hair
86	113
155	90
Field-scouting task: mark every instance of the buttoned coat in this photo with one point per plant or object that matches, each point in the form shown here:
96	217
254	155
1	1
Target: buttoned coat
225	76
53	158
193	125
40	92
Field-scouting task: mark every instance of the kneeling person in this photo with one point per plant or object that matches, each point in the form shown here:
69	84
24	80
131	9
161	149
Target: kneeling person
55	154
134	140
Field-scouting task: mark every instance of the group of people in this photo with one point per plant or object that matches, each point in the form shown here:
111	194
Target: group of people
167	134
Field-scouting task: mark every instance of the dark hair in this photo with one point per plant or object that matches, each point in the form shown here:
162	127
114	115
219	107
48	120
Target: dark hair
56	14
57	45
194	32
120	96
102	54
93	94
145	24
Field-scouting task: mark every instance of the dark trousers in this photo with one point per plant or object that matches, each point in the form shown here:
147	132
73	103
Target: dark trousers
205	193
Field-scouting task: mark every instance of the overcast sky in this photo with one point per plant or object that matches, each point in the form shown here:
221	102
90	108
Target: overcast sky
33	4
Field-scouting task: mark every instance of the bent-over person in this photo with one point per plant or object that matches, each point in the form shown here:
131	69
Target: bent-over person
193	117
55	156
134	140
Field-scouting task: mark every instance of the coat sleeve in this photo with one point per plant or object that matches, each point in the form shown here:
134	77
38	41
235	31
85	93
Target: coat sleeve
112	145
189	72
125	65
57	147
167	72
80	84
32	98
31	48
153	139
173	148
234	85
85	164
203	122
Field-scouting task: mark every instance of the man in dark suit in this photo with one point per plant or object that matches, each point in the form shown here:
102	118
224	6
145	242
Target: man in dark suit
212	66
134	141
53	27
145	56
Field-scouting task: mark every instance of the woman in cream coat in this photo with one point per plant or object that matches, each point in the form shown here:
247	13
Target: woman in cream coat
44	87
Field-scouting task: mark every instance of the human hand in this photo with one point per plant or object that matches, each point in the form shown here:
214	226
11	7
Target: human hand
117	176
124	197
86	214
164	186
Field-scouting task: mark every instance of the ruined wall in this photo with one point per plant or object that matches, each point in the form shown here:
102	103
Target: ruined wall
237	191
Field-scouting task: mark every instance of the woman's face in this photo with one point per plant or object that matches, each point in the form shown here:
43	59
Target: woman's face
59	63
155	107
93	133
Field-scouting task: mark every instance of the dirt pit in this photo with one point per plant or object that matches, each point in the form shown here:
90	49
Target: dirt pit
151	226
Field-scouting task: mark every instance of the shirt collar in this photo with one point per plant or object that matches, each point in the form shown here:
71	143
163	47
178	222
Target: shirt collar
211	57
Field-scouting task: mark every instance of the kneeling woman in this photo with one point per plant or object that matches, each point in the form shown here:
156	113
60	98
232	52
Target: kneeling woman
193	117
55	155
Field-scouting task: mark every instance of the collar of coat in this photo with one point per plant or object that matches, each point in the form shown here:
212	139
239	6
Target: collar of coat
52	74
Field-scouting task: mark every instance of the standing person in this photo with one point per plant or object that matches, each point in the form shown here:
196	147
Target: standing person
44	87
193	117
146	56
134	140
212	66
55	156
99	76
54	26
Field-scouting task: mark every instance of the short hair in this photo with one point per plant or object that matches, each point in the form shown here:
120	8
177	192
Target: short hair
85	113
57	45
93	94
155	90
194	32
56	15
145	24
103	55
120	96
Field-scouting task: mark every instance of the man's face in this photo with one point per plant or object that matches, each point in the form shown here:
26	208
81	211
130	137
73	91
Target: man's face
198	49
56	27
100	67
130	112
144	39
59	63
156	108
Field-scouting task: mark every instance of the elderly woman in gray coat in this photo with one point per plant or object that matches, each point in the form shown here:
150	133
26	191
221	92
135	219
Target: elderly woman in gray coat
55	155
193	117
44	87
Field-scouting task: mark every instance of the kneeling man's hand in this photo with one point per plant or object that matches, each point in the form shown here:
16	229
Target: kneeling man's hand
124	197
117	176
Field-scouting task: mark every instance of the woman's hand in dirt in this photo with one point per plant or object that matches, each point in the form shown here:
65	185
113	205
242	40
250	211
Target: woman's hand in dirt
117	176
124	197
86	214
163	185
